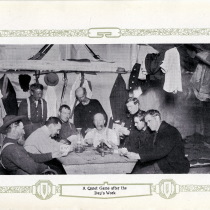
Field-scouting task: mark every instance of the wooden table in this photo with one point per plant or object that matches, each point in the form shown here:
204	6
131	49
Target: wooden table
91	162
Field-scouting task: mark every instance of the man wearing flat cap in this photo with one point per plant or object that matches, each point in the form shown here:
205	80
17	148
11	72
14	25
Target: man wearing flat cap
34	109
14	157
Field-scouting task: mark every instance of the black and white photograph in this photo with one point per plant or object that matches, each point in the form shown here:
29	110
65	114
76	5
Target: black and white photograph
104	104
105	109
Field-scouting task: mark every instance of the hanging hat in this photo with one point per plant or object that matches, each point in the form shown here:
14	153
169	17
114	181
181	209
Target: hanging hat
24	80
51	79
8	120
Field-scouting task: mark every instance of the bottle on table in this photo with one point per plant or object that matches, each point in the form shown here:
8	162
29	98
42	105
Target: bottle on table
79	148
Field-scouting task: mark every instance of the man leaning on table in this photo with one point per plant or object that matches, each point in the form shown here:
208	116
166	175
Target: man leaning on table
41	142
167	153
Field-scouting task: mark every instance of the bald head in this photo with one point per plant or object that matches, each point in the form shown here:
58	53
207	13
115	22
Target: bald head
99	121
81	94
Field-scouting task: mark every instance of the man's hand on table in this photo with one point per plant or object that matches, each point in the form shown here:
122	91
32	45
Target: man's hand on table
133	156
58	154
123	151
64	150
130	155
88	141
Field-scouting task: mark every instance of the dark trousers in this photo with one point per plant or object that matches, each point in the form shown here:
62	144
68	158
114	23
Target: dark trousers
146	168
56	165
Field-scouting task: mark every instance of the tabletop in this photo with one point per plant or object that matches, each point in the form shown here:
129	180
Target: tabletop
90	161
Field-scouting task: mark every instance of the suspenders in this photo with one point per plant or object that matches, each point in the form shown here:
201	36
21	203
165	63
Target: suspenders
29	108
7	144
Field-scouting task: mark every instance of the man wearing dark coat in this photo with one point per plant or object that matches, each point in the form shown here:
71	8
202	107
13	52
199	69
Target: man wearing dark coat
85	110
132	105
142	141
167	152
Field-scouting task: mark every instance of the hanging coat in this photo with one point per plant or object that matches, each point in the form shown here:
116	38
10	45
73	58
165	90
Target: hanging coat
118	97
134	82
143	50
200	82
152	64
9	96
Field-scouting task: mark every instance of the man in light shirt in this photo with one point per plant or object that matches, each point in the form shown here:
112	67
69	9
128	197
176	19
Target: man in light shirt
41	142
101	133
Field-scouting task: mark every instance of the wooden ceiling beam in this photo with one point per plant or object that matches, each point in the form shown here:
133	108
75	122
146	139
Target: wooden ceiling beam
56	66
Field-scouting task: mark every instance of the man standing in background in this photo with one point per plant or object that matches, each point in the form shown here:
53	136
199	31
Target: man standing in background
34	108
129	130
132	105
85	110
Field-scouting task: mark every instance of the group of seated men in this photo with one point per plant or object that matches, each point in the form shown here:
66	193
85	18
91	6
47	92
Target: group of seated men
157	145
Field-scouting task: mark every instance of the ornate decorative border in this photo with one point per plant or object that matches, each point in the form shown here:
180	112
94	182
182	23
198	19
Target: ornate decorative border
44	33
111	32
166	189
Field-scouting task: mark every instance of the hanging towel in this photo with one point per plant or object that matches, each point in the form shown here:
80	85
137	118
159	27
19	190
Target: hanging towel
86	85
51	99
172	69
